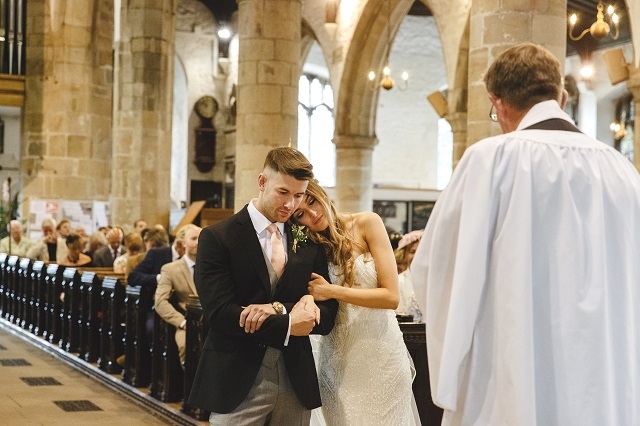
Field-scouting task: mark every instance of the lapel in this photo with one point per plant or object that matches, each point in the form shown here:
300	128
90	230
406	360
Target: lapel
252	249
186	276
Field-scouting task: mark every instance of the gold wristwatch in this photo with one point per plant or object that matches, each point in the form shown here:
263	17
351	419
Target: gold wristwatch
278	307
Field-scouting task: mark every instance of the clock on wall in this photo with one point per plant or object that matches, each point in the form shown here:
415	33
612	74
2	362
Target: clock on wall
206	107
205	136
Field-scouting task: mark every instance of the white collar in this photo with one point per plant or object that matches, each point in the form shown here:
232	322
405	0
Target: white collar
260	222
174	253
543	111
190	262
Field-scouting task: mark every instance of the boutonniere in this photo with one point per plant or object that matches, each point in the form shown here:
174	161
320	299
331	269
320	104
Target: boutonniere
299	233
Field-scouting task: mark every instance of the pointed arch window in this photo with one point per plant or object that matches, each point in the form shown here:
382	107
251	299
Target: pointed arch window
316	126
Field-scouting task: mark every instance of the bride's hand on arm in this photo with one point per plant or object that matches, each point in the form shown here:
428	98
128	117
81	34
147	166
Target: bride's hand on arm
319	288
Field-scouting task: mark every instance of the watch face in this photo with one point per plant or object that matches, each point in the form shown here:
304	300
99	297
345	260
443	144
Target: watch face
206	107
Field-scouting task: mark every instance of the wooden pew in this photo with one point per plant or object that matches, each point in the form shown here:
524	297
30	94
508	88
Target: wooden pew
26	293
90	315
415	339
167	376
12	291
52	326
137	368
4	300
197	329
70	310
111	331
39	300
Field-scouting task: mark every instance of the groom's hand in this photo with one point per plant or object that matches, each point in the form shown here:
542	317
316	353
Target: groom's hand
302	321
309	304
252	316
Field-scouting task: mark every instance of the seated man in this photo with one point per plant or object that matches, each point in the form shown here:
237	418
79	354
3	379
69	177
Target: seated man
105	256
51	247
156	238
147	273
139	225
177	278
64	229
15	243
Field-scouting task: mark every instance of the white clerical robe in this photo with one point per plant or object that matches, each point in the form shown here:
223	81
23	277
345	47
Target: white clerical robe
531	265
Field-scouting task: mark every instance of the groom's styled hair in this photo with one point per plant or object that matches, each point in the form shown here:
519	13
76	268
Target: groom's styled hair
289	161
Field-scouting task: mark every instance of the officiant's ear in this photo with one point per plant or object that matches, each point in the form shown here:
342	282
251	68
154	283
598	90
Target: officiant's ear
563	98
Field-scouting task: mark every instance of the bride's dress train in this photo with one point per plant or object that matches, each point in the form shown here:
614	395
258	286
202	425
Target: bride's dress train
364	368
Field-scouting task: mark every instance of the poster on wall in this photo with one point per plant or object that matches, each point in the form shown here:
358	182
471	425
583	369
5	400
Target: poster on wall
40	210
393	214
101	215
78	213
420	212
89	214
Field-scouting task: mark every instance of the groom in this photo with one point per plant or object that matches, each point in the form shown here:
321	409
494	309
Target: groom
256	365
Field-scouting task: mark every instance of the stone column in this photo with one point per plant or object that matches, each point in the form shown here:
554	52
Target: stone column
633	84
268	73
66	145
141	169
354	192
496	25
458	122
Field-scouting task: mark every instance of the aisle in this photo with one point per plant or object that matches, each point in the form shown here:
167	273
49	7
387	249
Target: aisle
36	388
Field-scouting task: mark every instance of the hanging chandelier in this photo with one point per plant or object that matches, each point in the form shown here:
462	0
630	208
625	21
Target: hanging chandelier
599	29
385	80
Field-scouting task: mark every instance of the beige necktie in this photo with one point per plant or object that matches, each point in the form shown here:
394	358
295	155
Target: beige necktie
277	250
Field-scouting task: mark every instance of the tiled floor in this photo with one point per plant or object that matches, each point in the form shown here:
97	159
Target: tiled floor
36	388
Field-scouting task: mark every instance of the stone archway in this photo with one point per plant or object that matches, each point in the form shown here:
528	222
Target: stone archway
356	104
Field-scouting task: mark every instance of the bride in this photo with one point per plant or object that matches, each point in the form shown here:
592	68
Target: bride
364	368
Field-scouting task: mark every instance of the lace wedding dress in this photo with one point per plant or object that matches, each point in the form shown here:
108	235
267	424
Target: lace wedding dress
364	368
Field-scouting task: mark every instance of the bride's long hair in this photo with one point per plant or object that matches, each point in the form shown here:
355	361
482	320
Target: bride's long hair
336	239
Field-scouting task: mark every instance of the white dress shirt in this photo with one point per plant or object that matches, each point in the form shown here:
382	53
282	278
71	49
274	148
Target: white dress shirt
260	224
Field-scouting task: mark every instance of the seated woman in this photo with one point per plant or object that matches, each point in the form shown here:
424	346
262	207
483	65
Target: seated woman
75	257
97	240
408	304
134	250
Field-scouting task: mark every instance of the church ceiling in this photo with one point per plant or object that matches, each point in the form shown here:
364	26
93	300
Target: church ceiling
585	9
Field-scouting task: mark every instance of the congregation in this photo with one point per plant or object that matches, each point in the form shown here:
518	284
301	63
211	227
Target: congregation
109	246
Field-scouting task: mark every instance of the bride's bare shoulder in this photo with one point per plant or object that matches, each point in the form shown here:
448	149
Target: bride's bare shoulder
367	218
364	223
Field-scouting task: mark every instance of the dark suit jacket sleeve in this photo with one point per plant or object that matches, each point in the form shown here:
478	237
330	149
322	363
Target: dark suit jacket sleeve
215	284
328	308
143	275
103	257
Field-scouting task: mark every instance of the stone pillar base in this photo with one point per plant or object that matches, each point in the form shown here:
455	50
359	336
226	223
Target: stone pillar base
354	184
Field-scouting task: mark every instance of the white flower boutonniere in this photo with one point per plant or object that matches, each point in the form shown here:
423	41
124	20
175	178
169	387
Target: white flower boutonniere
299	233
